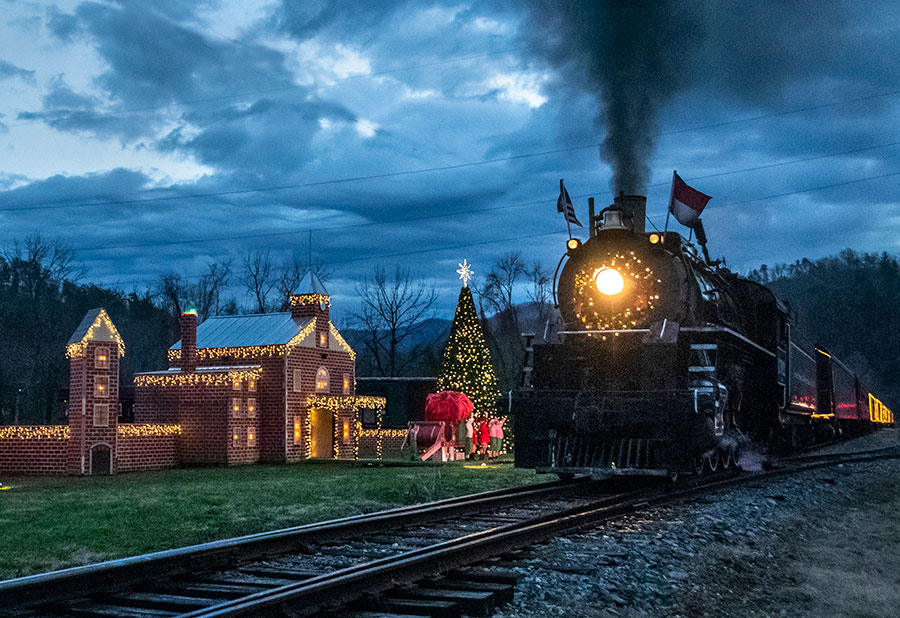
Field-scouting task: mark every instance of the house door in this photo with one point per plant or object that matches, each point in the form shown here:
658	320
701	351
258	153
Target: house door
101	460
322	438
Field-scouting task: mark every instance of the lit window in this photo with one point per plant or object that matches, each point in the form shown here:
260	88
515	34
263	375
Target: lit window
323	340
234	437
251	407
298	432
101	415
251	438
346	383
322	380
298	383
345	435
236	406
236	384
251	385
101	386
101	360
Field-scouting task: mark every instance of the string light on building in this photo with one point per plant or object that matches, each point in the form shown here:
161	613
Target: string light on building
149	429
76	350
223	378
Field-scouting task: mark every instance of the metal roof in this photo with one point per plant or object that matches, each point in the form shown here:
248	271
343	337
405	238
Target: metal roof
86	322
236	331
311	284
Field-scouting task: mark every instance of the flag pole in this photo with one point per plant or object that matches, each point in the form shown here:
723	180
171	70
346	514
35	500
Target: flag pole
562	194
669	206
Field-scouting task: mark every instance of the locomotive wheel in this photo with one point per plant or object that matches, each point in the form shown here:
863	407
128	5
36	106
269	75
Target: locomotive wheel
714	460
728	459
699	465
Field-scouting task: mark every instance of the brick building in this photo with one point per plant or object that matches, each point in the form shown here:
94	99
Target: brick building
274	387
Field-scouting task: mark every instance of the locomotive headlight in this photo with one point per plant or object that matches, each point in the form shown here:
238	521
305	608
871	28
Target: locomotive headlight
609	281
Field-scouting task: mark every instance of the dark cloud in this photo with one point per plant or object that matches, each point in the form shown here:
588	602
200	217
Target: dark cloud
9	70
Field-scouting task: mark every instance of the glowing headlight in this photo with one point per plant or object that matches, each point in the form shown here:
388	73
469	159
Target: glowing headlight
609	281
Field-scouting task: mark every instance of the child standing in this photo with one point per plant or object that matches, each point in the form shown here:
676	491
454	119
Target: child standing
484	438
470	436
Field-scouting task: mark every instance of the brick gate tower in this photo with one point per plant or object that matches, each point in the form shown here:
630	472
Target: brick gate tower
93	351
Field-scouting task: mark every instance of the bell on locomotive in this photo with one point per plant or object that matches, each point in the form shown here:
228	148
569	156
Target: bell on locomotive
649	370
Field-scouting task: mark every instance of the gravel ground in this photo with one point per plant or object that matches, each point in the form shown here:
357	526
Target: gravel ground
823	543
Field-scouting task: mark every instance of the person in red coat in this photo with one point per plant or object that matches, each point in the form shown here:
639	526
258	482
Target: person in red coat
484	438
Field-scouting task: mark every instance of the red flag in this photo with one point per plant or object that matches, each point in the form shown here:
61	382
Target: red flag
686	203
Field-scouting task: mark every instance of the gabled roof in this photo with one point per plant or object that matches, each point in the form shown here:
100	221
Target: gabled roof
311	284
95	326
237	331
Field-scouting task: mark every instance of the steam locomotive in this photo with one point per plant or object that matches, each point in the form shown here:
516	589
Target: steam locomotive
669	363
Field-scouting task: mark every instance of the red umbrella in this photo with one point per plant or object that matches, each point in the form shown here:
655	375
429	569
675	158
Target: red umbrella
448	406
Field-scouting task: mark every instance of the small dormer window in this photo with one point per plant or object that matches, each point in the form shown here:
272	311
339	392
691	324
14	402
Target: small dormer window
323	340
322	380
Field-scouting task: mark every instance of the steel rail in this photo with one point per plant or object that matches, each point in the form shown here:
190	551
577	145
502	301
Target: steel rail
346	584
84	580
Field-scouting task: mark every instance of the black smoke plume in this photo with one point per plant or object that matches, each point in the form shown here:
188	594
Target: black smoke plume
634	55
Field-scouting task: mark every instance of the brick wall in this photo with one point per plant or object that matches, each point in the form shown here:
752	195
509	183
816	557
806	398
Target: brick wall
84	374
203	412
390	445
34	449
146	452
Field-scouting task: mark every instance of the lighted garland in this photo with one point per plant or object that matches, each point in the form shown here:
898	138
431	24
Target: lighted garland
347	402
300	300
340	340
35	432
129	430
224	378
76	350
635	273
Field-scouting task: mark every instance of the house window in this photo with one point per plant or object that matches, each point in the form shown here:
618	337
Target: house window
236	406
298	383
101	415
369	418
251	406
101	386
101	360
251	385
323	340
298	432
234	438
346	383
236	384
345	432
251	437
322	380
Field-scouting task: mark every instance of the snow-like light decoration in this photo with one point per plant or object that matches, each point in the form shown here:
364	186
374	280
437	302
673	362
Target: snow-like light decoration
76	350
223	378
299	300
35	432
346	346
128	430
600	310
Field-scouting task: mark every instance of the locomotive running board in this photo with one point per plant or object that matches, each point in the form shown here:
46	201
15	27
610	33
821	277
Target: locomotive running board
684	329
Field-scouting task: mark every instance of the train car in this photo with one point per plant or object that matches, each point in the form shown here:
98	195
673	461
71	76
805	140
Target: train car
670	363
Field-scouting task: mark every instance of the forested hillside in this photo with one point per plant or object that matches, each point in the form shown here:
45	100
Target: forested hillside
850	304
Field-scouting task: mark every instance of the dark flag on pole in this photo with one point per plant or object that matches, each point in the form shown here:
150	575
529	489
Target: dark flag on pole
564	204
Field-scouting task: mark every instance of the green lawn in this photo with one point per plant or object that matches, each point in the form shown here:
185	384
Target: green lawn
51	523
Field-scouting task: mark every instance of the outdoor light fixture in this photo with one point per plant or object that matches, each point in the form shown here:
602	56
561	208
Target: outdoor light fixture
655	239
573	244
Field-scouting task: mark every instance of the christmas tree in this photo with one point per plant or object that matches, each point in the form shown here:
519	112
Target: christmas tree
467	365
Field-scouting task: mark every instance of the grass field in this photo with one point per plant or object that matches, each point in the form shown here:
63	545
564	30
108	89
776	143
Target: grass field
51	523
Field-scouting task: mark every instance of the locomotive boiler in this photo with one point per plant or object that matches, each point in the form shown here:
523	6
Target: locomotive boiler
667	362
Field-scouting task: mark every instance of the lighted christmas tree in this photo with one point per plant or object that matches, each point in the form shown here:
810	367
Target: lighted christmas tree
467	365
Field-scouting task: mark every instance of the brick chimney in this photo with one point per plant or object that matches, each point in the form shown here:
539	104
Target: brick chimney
189	340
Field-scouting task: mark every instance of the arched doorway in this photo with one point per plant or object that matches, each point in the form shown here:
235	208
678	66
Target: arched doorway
101	460
321	439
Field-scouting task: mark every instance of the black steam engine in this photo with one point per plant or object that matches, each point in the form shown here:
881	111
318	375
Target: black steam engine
669	363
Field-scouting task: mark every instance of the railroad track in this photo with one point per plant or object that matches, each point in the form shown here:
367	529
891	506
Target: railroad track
366	564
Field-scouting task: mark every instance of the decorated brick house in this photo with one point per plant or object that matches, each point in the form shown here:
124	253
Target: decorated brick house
274	387
277	387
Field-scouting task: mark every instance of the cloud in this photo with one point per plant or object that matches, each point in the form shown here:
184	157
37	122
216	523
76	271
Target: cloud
9	70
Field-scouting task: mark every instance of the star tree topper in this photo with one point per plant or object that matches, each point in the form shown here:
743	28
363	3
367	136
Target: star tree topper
465	273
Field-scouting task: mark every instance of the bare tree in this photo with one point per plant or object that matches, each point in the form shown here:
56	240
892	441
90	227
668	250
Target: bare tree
259	277
541	291
42	262
391	312
175	294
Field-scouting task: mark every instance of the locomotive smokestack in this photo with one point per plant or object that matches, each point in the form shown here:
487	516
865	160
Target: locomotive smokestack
634	206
